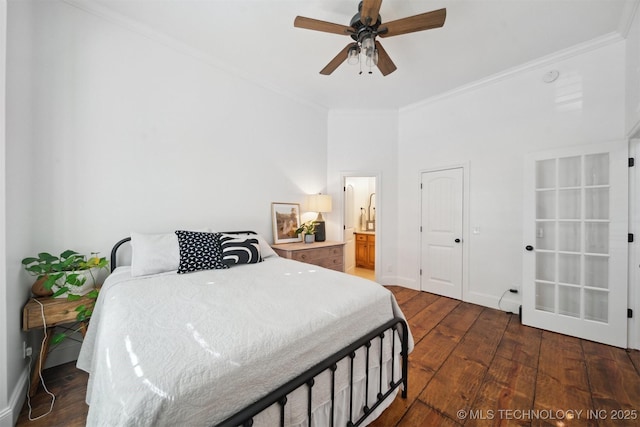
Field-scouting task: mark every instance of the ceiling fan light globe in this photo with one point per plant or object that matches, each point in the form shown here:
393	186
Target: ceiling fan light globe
372	58
368	43
353	57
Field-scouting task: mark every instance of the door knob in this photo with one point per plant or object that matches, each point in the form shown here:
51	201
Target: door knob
529	247
457	240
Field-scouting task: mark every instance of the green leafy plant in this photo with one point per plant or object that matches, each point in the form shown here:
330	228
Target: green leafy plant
308	227
67	271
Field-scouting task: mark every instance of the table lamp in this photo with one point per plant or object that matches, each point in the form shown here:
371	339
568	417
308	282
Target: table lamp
319	203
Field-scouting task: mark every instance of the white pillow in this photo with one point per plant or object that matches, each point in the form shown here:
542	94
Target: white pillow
154	253
266	250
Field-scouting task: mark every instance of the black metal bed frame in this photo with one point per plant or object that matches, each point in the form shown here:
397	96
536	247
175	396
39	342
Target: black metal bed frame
279	396
245	416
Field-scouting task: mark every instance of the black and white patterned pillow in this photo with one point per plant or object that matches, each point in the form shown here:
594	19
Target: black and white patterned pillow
199	251
240	249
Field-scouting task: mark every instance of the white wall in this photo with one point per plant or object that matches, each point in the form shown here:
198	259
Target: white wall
5	414
133	135
17	172
492	127
114	131
353	150
633	75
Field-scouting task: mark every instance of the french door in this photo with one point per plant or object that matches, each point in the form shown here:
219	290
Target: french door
575	238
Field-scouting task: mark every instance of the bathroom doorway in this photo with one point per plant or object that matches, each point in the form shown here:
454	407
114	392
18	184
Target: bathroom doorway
360	225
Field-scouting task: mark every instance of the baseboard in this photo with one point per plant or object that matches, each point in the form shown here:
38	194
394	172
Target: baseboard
9	415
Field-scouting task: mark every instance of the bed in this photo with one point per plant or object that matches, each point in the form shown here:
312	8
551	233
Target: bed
266	342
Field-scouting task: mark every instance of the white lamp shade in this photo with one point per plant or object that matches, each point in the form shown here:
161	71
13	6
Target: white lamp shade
319	203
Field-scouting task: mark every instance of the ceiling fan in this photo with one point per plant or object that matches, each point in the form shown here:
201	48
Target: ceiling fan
364	27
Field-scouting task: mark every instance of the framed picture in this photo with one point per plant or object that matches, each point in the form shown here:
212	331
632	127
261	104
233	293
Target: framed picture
286	220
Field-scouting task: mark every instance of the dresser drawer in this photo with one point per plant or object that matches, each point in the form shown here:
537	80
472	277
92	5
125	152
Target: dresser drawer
334	263
313	255
324	254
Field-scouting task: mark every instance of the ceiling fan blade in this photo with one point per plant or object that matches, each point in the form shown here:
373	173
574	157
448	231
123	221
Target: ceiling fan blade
370	11
385	64
317	25
335	62
411	24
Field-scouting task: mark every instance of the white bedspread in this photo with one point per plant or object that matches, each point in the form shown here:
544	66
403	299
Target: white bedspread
193	349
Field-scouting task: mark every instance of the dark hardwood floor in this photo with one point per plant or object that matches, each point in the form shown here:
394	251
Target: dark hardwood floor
471	366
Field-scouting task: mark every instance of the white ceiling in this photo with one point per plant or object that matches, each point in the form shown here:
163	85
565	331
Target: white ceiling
481	38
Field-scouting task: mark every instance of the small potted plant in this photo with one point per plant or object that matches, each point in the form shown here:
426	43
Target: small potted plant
308	229
70	275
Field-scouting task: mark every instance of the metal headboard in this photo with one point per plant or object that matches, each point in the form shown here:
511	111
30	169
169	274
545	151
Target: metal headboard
114	250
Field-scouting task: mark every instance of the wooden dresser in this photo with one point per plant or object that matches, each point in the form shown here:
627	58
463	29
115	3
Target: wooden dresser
325	254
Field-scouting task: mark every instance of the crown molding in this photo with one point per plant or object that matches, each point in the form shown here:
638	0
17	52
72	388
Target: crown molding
628	15
143	30
544	61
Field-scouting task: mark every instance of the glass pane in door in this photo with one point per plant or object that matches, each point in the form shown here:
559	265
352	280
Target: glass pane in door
596	305
546	173
596	203
569	236
596	237
569	204
596	271
545	205
569	171
569	269
545	235
596	169
545	266
569	301
545	297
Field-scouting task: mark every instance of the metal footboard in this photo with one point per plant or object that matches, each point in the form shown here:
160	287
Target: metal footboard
307	379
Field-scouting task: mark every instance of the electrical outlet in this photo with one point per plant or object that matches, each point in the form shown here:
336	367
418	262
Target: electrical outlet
26	351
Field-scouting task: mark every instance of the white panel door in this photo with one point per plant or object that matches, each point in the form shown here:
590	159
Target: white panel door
441	237
349	229
575	257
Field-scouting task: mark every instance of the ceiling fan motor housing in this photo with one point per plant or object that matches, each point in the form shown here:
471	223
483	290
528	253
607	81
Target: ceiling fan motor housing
362	29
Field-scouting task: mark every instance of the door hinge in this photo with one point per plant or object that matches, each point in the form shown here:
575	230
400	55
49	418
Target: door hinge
421	186
421	272
421	229
630	237
632	162
629	313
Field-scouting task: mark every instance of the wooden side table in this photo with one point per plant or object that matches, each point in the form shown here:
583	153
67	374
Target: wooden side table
324	254
56	311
